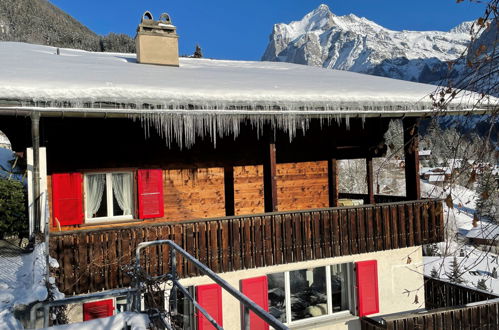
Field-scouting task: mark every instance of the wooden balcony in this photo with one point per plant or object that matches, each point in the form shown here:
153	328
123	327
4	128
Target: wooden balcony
448	306
93	260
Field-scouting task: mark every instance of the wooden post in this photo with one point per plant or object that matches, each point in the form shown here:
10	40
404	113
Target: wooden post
269	177
229	190
411	148
332	174
369	179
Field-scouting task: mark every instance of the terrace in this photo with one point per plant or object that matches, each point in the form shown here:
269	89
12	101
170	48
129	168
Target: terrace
447	306
93	259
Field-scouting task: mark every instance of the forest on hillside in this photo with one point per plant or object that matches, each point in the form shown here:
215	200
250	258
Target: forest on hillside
40	22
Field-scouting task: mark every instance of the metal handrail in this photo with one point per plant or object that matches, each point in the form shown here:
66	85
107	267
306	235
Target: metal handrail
247	303
72	300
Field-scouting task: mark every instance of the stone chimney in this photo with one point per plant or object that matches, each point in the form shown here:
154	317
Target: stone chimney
157	41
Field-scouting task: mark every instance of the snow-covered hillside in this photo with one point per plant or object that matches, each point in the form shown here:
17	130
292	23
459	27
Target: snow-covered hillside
358	44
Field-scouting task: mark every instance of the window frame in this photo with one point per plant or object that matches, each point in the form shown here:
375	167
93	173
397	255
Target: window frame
109	198
351	311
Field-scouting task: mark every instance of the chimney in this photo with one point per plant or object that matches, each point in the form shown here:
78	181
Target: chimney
157	41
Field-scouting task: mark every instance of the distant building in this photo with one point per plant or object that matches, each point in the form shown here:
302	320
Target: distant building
484	234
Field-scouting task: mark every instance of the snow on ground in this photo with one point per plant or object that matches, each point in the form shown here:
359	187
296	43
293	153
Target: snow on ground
119	321
474	264
477	265
22	281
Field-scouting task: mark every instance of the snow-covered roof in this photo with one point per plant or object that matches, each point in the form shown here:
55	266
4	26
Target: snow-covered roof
484	230
34	73
424	170
455	163
436	178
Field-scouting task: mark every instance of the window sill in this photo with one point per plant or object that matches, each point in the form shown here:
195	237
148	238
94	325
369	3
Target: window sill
323	320
109	221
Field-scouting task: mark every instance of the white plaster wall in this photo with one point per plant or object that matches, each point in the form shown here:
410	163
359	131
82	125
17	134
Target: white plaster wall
398	283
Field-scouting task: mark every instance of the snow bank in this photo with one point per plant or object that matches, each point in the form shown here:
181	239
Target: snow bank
22	281
117	322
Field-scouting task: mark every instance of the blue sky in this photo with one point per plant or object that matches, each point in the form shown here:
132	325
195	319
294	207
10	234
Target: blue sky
240	29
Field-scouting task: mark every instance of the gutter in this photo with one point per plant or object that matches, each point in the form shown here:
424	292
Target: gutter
128	113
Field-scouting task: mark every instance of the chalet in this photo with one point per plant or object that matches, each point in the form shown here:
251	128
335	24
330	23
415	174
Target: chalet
484	234
234	161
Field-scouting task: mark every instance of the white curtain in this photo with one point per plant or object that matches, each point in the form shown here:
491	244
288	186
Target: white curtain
122	190
95	189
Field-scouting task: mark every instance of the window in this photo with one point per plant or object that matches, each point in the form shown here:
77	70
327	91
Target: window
311	293
108	196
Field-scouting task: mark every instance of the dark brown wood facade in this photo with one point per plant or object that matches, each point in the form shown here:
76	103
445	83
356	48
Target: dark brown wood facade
92	260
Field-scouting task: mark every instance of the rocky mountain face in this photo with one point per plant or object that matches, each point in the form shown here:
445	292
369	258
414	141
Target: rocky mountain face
40	22
352	43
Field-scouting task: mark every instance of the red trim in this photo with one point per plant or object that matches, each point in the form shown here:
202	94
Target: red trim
210	298
67	198
367	287
98	309
150	191
256	289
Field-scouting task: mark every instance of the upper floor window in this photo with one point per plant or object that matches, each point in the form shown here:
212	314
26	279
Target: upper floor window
108	196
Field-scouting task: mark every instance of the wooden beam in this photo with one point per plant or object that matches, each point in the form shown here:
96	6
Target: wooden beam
411	148
229	190
269	177
369	179
333	182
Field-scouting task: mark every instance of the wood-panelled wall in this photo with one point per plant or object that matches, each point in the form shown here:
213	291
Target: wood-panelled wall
248	190
193	194
302	186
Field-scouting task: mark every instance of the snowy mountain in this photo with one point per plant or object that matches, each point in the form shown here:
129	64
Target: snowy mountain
357	44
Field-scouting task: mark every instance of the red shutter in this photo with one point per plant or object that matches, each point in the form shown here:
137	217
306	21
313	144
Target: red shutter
210	298
98	309
257	290
67	198
367	287
150	184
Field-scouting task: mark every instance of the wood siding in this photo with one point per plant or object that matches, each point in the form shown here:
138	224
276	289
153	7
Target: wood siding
193	194
93	260
248	190
302	186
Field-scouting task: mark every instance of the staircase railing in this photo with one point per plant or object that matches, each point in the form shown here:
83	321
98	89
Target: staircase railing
245	301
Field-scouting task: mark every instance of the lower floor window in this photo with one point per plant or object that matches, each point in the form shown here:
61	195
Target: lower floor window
109	196
312	292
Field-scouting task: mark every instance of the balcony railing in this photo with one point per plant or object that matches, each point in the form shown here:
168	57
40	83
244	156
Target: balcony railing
92	260
448	306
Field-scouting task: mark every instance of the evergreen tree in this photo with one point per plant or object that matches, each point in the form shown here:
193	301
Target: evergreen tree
482	285
455	274
434	273
486	204
198	53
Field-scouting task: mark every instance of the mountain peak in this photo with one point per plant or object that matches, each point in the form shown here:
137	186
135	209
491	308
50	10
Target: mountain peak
349	42
323	8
